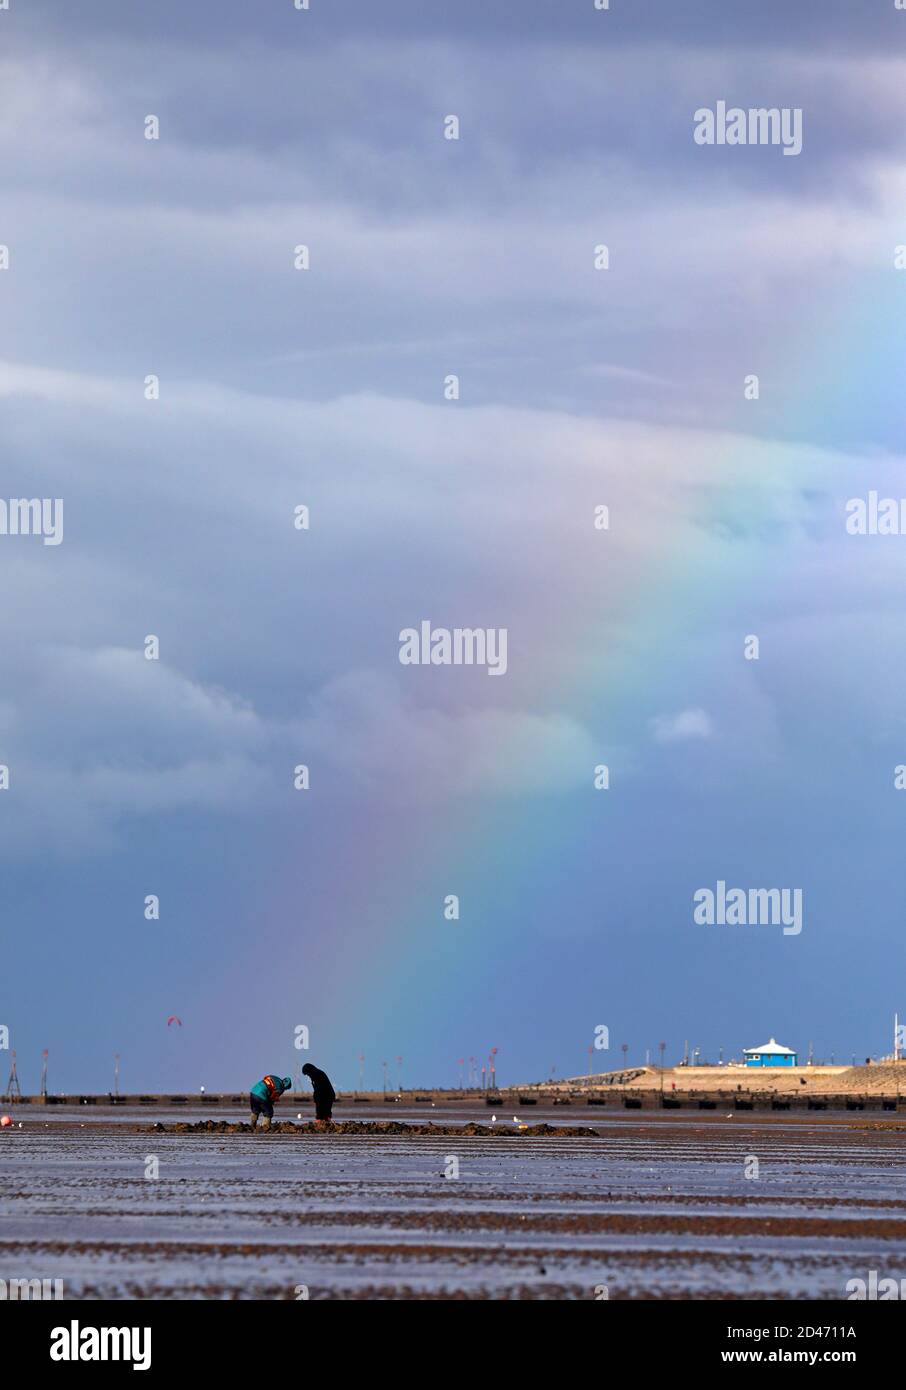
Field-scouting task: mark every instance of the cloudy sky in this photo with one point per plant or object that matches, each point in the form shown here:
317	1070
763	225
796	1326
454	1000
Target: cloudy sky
579	388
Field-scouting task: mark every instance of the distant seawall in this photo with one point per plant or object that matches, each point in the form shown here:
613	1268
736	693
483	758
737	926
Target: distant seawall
611	1098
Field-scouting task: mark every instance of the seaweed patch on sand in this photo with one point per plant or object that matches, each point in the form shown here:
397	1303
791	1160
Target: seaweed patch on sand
378	1127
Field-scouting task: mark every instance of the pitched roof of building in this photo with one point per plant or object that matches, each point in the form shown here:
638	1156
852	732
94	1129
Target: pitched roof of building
772	1046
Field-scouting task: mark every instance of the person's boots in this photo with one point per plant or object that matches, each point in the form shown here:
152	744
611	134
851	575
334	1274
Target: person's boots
267	1123
255	1119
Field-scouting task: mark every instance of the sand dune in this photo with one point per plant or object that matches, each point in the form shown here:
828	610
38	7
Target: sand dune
880	1078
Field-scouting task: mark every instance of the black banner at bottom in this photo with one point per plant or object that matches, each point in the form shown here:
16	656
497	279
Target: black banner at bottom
230	1336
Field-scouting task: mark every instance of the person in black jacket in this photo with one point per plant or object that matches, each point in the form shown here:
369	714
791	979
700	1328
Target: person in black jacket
325	1095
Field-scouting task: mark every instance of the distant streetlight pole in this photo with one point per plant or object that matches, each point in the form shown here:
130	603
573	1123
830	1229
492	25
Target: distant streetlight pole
116	1073
662	1047
399	1074
624	1048
384	1065
12	1085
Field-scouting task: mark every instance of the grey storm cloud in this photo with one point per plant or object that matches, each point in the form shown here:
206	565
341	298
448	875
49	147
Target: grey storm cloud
430	256
284	655
212	24
175	257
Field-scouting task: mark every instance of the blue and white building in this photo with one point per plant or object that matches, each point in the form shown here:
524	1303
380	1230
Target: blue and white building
770	1054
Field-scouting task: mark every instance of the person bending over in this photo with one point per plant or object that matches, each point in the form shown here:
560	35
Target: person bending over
263	1095
325	1095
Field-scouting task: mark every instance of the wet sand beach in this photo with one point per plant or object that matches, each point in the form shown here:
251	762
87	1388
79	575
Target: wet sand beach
642	1207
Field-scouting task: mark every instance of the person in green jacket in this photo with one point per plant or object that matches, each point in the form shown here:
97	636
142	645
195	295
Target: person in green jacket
264	1093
